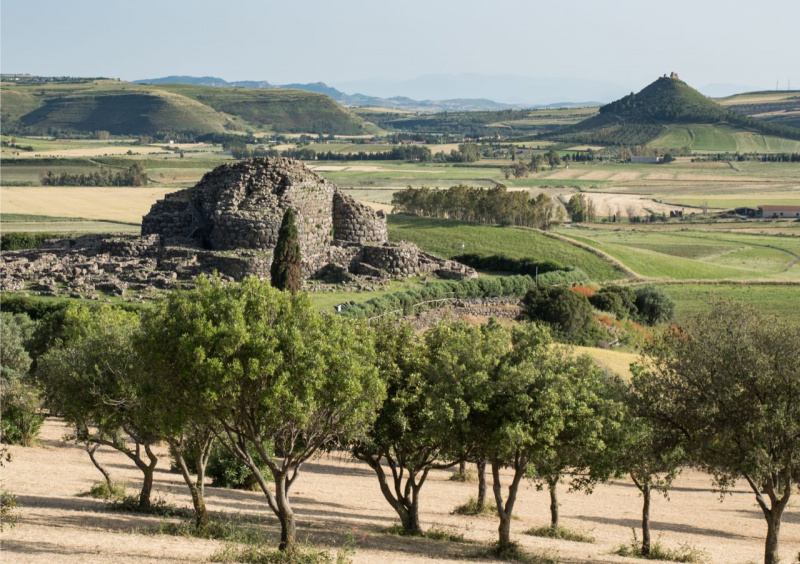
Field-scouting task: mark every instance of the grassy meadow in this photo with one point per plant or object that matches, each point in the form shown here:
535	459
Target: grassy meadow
445	238
698	254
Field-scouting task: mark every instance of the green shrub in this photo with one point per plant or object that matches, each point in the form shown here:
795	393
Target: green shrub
227	471
20	241
654	305
568	313
8	503
502	263
471	508
265	554
563	277
101	490
615	299
561	533
462	289
19	397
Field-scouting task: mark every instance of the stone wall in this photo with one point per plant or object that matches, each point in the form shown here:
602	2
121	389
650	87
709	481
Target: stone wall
357	223
170	217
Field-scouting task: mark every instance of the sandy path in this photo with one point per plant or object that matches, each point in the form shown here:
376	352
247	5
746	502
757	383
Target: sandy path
118	203
334	496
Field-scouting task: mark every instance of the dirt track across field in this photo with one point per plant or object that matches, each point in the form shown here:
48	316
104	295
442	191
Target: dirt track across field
335	496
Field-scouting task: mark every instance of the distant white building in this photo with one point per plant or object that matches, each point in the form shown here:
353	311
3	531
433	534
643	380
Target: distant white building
647	160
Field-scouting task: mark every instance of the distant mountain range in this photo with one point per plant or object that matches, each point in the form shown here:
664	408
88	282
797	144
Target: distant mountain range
438	83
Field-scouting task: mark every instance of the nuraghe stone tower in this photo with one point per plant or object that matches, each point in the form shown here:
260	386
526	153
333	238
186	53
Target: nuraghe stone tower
240	206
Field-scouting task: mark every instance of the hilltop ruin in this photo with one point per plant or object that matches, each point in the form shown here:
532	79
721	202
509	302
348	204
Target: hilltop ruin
228	223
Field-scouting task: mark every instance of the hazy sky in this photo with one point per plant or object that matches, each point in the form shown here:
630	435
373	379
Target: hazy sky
625	42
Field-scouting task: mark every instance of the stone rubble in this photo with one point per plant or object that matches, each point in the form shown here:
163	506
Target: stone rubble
227	223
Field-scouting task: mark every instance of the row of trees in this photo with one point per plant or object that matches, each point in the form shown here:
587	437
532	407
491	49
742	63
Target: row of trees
134	175
411	153
261	373
495	205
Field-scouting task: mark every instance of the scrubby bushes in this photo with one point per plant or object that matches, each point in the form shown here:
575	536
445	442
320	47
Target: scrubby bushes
615	299
654	305
647	304
19	397
483	287
464	289
502	263
19	241
568	313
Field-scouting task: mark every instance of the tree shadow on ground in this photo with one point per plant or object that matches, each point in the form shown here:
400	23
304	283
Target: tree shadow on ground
660	526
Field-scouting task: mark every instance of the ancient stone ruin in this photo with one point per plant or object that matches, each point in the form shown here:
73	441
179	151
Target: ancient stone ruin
228	223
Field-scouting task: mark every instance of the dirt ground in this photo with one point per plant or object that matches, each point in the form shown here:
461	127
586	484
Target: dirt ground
335	496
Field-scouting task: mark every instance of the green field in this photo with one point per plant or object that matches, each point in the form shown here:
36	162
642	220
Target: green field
687	255
24	223
778	300
450	238
708	138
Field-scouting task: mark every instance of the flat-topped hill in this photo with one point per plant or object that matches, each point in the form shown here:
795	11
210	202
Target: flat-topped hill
123	108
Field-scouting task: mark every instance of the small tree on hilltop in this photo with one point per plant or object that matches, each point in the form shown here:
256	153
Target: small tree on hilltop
285	272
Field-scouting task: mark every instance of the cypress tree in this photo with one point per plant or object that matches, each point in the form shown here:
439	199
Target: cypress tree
285	272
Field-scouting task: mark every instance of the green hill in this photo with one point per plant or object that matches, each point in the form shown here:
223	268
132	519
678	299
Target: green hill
656	111
131	109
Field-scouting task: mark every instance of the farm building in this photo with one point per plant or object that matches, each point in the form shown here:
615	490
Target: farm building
746	212
778	211
647	160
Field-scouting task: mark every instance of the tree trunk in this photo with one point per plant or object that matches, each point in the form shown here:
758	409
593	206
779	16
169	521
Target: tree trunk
552	486
92	449
406	505
147	470
147	488
646	521
462	469
481	486
285	515
196	489
773	535
505	510
778	487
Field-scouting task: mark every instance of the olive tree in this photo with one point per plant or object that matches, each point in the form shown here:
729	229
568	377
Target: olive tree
583	414
729	382
92	378
178	406
651	454
281	381
433	384
19	396
522	415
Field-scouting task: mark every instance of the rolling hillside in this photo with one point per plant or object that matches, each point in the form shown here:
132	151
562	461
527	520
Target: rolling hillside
132	109
781	107
669	113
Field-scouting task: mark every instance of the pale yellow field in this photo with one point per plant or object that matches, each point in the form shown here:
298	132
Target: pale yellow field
617	362
118	204
94	151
